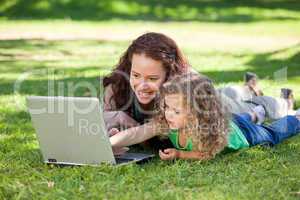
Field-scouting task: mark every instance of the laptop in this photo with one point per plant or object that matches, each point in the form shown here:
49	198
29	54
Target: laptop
71	131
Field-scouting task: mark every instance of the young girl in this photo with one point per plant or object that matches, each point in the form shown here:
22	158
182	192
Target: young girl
199	129
192	117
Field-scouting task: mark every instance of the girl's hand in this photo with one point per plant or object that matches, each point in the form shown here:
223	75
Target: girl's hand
168	154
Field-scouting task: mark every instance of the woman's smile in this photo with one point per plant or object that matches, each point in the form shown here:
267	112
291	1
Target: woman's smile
145	95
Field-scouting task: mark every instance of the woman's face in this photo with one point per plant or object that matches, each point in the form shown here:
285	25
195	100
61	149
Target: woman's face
146	77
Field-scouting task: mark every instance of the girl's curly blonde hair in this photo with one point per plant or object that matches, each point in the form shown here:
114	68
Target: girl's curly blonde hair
207	123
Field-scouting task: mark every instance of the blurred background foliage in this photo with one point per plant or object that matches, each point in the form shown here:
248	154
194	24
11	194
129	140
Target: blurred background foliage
154	10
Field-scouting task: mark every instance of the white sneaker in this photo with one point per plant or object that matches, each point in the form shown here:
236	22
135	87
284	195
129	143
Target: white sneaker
260	114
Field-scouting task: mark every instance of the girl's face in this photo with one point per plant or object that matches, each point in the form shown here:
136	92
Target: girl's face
146	77
175	111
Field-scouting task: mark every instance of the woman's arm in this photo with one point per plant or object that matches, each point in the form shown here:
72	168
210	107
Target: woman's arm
118	119
113	118
108	102
134	135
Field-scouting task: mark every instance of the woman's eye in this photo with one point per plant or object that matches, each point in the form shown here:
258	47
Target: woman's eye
136	75
153	79
177	112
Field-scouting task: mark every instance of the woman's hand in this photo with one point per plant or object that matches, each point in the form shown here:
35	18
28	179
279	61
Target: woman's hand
168	154
119	150
118	119
113	131
134	135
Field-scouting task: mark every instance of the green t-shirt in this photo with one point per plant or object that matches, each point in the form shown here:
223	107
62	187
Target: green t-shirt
174	137
236	139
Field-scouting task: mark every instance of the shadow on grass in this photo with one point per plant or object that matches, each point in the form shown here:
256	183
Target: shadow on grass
266	65
268	61
39	67
75	86
232	11
38	44
19	56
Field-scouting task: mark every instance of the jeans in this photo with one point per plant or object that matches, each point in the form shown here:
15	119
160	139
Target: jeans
267	134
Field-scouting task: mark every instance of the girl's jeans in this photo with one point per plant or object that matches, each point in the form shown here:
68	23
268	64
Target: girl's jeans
267	134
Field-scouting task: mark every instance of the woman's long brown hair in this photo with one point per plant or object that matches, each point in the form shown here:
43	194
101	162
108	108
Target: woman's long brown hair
154	45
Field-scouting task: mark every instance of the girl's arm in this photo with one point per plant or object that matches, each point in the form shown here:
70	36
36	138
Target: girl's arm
171	154
134	135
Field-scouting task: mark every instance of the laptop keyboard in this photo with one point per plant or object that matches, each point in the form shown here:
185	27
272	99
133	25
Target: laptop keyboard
123	160
128	157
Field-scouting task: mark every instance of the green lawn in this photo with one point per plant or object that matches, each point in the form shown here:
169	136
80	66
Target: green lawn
221	39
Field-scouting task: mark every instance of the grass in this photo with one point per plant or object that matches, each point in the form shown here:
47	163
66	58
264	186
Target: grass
228	39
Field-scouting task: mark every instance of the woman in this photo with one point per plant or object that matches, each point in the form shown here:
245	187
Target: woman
132	88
